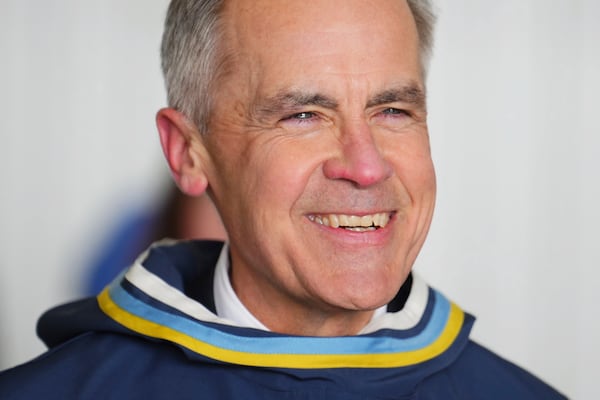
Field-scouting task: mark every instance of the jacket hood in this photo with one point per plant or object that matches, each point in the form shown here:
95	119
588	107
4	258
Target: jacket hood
167	296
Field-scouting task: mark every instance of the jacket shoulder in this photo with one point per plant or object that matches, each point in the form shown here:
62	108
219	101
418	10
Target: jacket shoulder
480	373
94	365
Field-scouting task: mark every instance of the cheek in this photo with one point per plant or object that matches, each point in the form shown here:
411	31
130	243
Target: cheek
282	172
421	177
414	166
271	175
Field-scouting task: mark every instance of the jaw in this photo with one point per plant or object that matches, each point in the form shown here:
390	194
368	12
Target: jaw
358	268
320	280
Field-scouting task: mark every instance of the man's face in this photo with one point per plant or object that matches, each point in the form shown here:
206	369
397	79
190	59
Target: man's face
319	154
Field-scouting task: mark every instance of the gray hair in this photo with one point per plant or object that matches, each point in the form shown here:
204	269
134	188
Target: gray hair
192	62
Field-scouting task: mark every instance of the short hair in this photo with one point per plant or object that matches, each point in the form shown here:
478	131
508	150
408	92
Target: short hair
192	60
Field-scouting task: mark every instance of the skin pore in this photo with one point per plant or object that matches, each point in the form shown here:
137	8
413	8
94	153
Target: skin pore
317	158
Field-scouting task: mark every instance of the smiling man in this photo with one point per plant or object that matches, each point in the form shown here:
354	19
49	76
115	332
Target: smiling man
306	123
317	156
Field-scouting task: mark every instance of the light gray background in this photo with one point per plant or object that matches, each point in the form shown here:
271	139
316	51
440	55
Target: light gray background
515	131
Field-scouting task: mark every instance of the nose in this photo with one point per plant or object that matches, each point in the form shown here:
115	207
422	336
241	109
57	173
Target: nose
359	161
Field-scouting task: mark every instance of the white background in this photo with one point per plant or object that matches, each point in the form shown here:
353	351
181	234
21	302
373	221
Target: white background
513	88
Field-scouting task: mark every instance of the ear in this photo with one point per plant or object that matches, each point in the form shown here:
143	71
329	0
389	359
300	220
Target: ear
183	148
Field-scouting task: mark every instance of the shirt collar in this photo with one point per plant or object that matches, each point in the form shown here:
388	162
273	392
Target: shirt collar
227	303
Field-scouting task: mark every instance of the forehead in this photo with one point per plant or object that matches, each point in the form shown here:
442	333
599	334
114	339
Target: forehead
321	40
262	16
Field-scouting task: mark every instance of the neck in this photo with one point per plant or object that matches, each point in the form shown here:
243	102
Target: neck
281	313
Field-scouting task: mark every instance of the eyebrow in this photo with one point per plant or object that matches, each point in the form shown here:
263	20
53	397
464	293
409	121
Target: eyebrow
409	94
289	101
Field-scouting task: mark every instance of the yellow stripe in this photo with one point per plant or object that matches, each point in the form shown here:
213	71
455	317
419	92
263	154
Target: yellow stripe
389	360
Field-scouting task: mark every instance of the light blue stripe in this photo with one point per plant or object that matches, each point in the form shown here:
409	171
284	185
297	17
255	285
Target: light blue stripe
287	344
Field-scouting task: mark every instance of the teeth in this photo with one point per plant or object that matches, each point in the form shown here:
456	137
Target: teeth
377	220
334	221
352	222
343	219
366	221
357	229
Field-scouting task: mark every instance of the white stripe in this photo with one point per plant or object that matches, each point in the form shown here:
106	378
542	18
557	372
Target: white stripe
411	313
160	290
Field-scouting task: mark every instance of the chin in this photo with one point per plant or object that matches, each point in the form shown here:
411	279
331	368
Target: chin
371	294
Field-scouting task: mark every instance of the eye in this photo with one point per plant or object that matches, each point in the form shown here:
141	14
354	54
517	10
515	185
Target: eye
394	111
393	118
301	116
300	119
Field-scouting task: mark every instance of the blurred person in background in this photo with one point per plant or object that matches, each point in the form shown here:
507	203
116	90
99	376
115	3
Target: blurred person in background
177	216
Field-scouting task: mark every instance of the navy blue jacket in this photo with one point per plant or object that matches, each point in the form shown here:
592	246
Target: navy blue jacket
154	334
